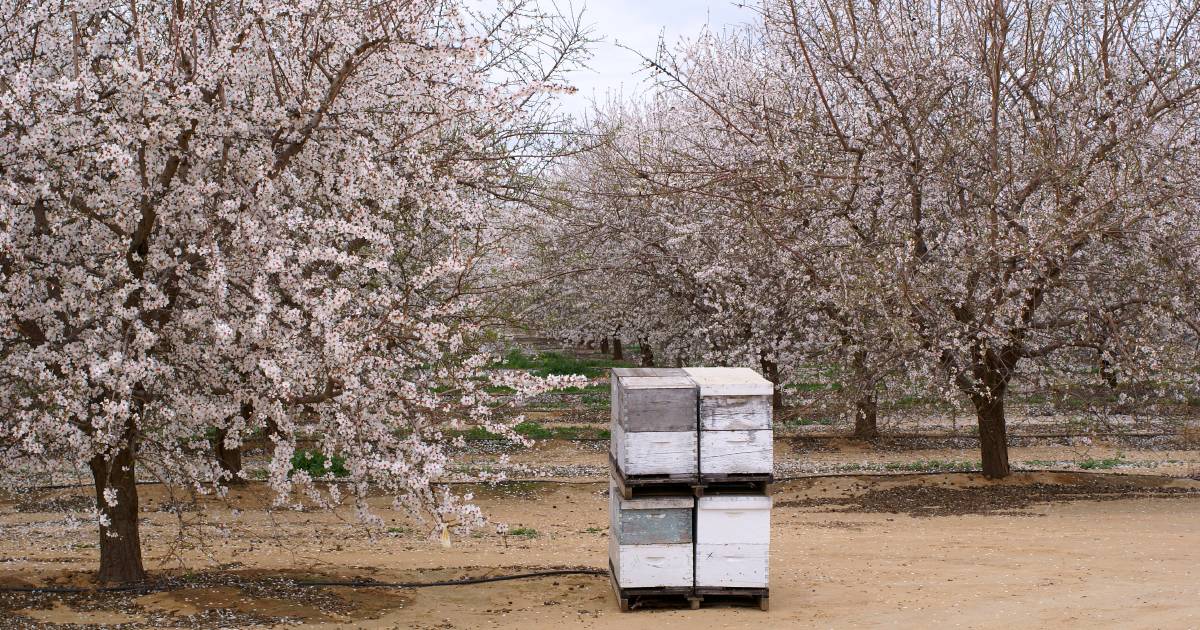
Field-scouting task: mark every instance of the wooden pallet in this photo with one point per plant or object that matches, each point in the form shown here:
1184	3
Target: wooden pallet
720	593
631	598
734	484
638	486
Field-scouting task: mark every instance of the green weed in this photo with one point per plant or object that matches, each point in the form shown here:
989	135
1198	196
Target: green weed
548	363
1101	464
933	465
316	465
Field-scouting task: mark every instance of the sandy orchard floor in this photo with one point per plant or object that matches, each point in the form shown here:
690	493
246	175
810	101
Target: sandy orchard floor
1040	550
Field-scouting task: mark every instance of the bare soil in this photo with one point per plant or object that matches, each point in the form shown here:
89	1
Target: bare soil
1040	549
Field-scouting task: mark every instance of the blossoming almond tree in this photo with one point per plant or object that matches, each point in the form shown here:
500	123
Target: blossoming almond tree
1027	146
728	244
264	216
958	192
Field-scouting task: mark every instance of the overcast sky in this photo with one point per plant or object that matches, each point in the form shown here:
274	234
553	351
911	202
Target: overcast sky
638	24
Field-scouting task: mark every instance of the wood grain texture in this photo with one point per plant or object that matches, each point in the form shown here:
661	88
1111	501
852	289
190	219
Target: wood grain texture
725	381
655	403
732	565
735	413
654	527
732	452
654	452
733	519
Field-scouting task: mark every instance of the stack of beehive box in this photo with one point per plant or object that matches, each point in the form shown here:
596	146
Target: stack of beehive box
691	466
653	430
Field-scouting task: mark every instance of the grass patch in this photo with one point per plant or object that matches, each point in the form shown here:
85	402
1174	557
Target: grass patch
932	465
524	532
1101	464
1040	463
598	396
533	430
556	363
317	465
812	388
806	422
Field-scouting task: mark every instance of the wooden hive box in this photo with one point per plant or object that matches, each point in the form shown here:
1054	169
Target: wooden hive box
653	428
650	540
733	536
735	421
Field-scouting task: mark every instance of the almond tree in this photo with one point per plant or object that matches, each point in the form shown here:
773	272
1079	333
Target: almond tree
271	217
719	200
1022	144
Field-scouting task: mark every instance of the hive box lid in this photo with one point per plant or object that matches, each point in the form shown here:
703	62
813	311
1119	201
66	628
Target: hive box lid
648	372
727	381
733	502
656	382
656	503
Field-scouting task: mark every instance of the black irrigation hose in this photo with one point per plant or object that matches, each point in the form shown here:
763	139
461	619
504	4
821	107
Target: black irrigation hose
166	586
478	580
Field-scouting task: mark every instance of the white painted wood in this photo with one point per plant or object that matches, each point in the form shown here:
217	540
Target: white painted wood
732	452
644	566
621	372
726	381
648	565
733	519
732	565
735	413
654	452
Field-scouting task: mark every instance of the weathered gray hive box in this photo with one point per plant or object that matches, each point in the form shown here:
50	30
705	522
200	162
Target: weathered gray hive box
650	540
735	421
733	536
654	421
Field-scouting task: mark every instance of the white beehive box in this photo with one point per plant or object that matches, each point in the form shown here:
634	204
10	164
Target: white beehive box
733	536
650	541
653	429
736	452
735	421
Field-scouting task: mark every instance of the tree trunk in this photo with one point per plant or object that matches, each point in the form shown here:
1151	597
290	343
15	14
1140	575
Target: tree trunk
647	354
618	352
604	346
230	459
993	438
866	408
771	373
866	416
120	543
1108	373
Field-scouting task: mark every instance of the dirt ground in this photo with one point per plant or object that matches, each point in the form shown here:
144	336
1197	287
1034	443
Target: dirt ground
1041	549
